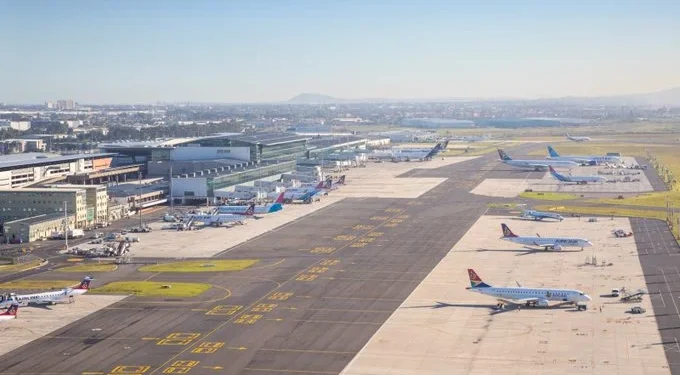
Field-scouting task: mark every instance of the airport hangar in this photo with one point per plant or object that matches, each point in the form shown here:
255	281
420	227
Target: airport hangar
198	167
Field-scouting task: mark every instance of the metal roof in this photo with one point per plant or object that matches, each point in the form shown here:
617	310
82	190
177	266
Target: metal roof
15	161
270	139
324	142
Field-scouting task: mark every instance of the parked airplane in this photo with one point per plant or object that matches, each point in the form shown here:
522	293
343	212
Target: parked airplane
218	219
306	192
330	185
529	296
547	243
580	180
471	138
51	297
407	154
537	165
539	215
11	312
169	218
583	159
576	138
243	210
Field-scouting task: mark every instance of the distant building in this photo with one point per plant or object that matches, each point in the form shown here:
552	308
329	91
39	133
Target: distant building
20	170
435	123
16	125
61	104
36	227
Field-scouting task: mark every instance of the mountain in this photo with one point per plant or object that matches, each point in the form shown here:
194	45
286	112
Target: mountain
668	97
307	98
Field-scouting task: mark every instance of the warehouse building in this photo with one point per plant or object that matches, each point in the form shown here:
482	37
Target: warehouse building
16	204
35	228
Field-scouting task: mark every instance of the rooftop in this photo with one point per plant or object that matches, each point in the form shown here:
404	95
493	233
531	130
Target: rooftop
42	190
15	161
38	219
163	142
323	142
270	139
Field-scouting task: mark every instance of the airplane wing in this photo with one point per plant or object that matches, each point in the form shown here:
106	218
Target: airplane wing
546	245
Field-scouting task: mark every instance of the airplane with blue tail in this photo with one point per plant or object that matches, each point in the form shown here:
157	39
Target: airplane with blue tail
263	209
537	165
539	215
580	180
583	159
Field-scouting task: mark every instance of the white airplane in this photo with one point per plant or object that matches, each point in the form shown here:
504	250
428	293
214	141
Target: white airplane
547	243
306	192
11	312
51	297
580	180
529	296
219	219
537	165
539	215
583	159
243	210
576	138
408	154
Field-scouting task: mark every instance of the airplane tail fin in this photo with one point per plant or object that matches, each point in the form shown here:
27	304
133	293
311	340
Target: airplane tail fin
250	210
85	283
320	185
275	207
475	280
328	184
279	199
552	152
12	310
503	155
435	150
341	180
557	175
507	233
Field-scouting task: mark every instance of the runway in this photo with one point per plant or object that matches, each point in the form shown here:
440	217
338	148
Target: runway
660	258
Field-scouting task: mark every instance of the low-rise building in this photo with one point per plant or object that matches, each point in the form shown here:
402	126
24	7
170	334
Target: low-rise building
97	200
36	227
16	204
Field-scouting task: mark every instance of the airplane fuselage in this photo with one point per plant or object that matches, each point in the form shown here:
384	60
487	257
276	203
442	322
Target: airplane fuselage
540	164
538	215
540	294
241	210
547	241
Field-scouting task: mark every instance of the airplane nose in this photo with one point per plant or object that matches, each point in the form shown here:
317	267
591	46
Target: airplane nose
588	244
587	297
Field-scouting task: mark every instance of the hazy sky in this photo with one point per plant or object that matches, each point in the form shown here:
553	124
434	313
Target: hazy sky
255	50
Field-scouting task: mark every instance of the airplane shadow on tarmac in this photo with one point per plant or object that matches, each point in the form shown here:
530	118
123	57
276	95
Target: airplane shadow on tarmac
527	251
493	309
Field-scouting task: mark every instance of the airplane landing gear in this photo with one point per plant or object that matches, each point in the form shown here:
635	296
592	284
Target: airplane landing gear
500	306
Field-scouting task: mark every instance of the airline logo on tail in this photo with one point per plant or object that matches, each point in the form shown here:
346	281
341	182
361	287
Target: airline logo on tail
320	185
503	155
328	184
279	199
475	280
507	232
434	151
341	180
552	152
557	175
85	283
251	210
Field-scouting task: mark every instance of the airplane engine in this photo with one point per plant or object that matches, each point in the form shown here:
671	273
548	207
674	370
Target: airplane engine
542	303
557	247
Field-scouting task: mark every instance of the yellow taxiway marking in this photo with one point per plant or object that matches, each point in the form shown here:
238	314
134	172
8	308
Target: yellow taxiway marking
239	314
92	373
288	371
214	367
208	347
130	370
237	348
280	296
275	319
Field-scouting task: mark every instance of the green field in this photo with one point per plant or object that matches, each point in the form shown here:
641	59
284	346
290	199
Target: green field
153	289
547	196
656	199
90	267
19	267
201	266
38	284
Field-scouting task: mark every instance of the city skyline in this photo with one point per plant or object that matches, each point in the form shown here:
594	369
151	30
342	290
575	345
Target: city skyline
266	51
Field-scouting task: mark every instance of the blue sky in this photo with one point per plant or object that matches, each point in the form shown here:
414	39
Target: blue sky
134	51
